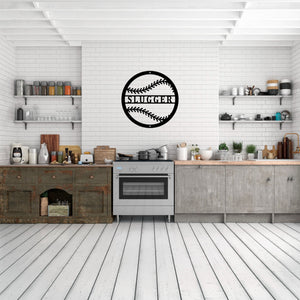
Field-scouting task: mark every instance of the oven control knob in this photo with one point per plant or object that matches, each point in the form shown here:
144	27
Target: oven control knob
131	170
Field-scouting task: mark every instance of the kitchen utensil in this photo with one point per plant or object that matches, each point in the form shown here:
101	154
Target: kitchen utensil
183	145
74	148
51	140
143	155
19	154
43	155
104	152
32	156
285	115
162	152
86	158
206	154
256	91
225	117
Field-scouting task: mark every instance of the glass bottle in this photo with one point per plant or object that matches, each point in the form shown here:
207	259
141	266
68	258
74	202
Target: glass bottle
59	89
44	88
193	152
67	86
51	89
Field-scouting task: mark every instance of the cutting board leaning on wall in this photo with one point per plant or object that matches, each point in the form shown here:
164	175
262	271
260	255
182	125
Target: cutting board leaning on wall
52	141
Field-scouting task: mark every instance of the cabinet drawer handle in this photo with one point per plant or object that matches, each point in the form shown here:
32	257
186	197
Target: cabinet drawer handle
91	177
289	178
292	178
19	176
53	176
268	179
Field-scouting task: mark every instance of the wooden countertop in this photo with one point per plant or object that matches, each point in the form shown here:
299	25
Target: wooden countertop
59	166
264	162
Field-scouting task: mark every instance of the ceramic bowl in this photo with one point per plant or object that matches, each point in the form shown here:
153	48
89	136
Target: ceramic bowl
285	92
108	161
206	154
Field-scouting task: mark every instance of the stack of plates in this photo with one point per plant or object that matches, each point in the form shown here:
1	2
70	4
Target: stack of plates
285	87
272	86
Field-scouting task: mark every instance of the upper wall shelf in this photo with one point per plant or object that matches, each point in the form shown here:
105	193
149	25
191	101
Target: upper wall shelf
280	97
47	97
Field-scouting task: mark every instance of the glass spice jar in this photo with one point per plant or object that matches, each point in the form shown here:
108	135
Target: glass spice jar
44	88
74	90
60	157
68	88
53	156
36	88
60	88
78	91
51	88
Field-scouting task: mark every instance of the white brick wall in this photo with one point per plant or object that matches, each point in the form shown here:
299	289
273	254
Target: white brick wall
49	63
253	66
296	87
107	66
7	76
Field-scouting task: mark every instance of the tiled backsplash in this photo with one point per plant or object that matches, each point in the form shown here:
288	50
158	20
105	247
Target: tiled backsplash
199	70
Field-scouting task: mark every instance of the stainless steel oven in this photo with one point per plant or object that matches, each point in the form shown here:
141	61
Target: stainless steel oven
143	188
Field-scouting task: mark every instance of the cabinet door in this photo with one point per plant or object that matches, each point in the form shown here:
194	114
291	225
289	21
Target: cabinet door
200	189
92	201
20	201
287	189
249	189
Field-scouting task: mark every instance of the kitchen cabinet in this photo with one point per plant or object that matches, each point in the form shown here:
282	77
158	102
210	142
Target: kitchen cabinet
199	189
89	188
287	189
249	189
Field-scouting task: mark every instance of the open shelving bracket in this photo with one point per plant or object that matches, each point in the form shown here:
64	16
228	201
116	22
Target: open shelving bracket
25	99
280	102
72	125
233	100
72	100
25	123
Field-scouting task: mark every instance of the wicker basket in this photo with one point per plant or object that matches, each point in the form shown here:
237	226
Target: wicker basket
102	152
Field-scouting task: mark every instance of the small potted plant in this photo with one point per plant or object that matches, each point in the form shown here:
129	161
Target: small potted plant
237	147
251	150
223	149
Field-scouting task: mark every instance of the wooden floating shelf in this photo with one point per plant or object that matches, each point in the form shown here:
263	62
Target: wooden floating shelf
248	121
73	97
280	97
39	121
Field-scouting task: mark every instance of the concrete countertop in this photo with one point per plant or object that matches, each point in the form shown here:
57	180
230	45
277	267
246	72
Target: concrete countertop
264	162
58	166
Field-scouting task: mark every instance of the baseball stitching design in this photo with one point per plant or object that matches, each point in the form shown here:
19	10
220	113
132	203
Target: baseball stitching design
149	87
147	113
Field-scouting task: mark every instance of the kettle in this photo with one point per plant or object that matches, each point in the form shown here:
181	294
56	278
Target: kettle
19	154
43	155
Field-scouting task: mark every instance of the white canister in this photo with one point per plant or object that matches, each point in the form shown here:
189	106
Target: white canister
234	91
32	156
182	153
241	91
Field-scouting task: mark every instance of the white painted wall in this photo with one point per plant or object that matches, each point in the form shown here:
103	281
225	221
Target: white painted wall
56	64
250	66
107	66
7	76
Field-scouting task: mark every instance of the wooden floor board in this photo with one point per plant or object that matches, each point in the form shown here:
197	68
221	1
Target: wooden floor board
188	282
229	281
149	259
250	282
40	286
87	275
210	285
277	241
275	287
278	269
126	279
146	285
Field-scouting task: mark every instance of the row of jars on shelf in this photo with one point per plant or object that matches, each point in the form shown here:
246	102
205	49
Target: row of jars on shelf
46	88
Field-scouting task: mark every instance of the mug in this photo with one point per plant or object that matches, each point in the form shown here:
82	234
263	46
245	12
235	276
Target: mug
278	116
234	91
241	91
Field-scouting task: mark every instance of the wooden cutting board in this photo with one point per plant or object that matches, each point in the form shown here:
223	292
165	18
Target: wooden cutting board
52	141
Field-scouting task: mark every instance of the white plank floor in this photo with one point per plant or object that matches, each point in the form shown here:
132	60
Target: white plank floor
149	259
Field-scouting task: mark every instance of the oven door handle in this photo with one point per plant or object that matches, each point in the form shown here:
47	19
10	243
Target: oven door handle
143	176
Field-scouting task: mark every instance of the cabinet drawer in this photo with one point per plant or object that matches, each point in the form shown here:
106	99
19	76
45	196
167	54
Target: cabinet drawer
55	176
12	176
92	176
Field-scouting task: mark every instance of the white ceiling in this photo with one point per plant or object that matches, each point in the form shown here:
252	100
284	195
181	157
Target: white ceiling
70	22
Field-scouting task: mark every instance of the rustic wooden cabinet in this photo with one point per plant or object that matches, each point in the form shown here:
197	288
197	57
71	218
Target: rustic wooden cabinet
200	189
287	189
89	186
249	189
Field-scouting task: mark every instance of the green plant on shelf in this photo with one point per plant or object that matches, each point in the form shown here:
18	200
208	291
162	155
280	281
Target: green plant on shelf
251	148
237	147
223	146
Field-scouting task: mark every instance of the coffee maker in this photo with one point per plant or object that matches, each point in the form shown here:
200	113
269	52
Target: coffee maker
19	154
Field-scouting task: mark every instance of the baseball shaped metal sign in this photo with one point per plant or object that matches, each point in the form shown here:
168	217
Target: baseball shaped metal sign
150	99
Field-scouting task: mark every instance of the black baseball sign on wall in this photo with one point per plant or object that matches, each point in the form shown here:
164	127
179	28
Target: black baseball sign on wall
150	99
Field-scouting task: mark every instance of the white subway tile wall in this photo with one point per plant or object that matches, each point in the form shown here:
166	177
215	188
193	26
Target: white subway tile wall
50	64
296	87
107	66
241	66
7	76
